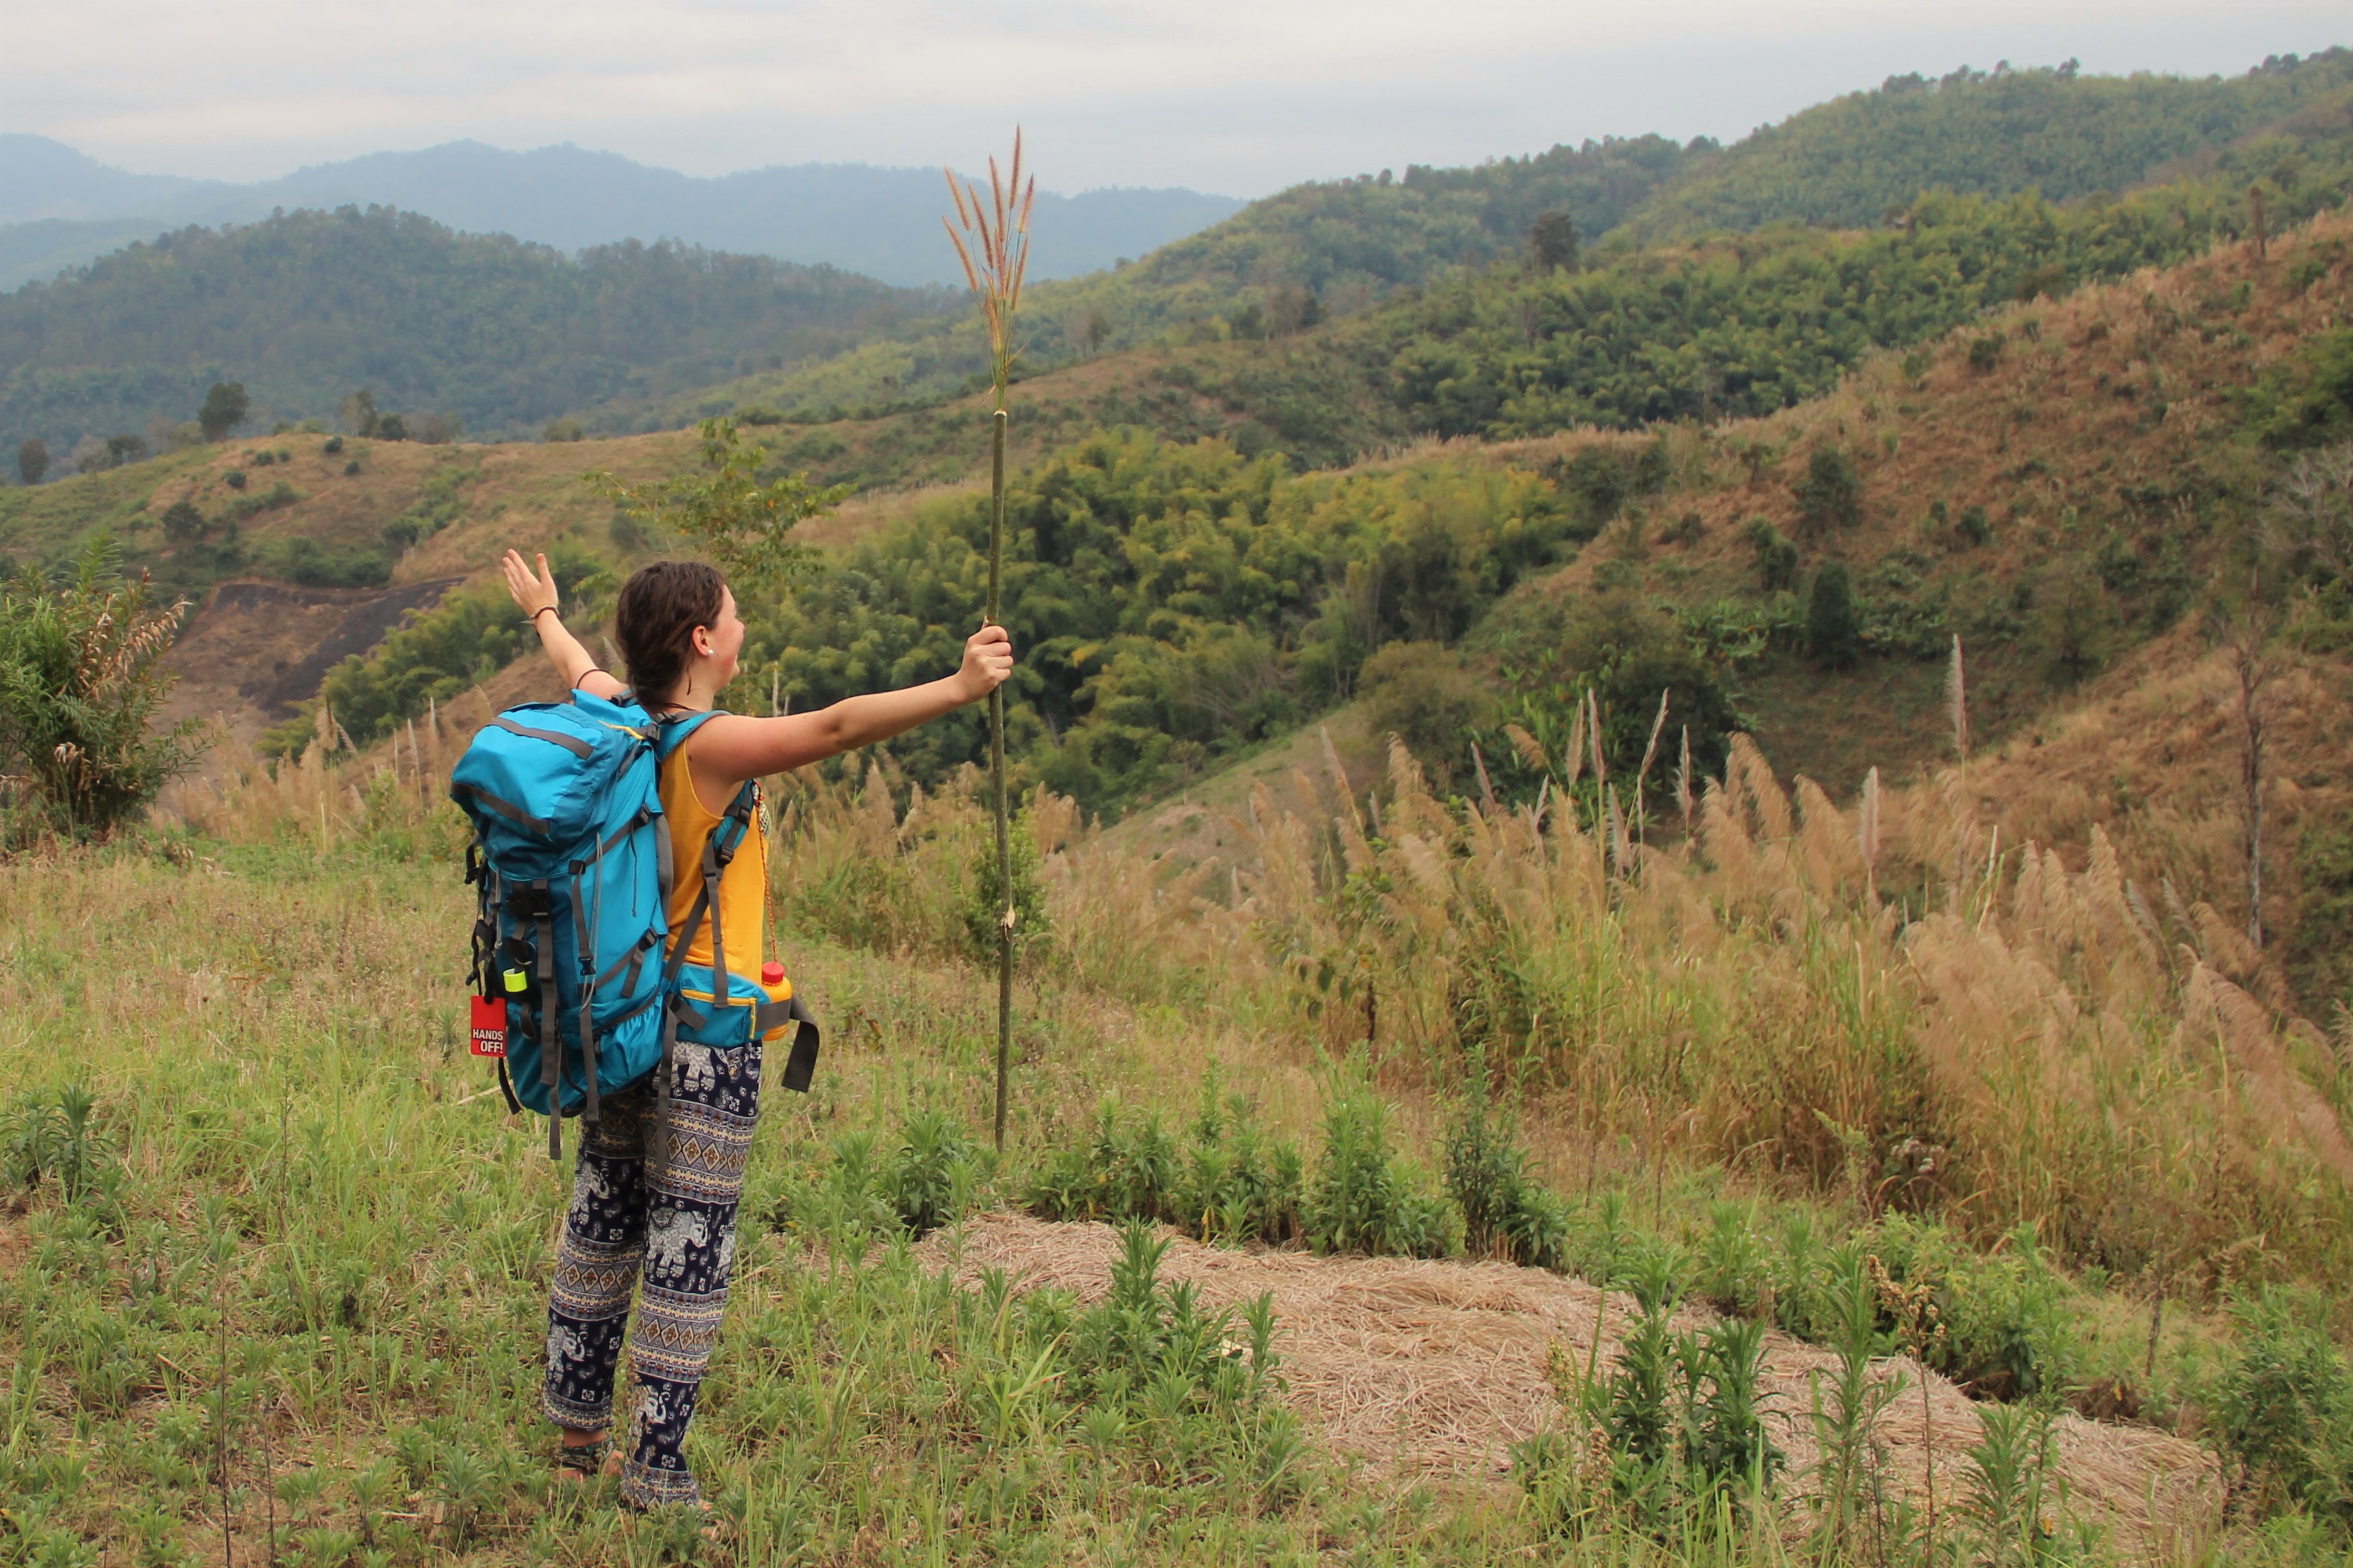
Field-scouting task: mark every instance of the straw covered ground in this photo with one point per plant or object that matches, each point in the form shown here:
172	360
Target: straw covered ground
1432	1370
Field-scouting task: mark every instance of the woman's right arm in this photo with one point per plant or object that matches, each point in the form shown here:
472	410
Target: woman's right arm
534	594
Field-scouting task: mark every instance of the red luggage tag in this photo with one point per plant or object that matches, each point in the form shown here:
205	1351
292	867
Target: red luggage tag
489	1033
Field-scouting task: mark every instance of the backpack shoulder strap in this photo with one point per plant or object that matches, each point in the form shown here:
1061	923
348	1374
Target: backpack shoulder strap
671	730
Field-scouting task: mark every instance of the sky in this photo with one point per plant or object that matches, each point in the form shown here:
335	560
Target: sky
1240	97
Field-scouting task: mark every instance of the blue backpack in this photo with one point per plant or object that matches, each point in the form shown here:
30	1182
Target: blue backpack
579	992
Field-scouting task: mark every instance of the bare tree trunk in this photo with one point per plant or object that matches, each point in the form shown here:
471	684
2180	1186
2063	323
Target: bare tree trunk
2251	661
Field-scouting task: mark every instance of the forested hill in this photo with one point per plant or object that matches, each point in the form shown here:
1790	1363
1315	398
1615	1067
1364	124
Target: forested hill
1445	315
307	306
1334	248
1852	161
1732	325
1325	249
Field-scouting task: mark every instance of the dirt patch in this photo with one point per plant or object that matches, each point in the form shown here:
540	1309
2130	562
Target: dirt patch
1434	1368
256	650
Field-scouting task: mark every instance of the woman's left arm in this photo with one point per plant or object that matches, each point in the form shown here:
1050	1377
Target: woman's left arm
732	747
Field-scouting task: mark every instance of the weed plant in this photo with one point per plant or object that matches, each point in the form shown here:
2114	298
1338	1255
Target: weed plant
1506	1212
1367	1197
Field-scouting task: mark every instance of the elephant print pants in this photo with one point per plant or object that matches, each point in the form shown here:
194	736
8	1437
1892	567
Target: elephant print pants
668	1214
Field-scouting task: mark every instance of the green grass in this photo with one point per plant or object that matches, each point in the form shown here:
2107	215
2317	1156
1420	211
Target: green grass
290	1276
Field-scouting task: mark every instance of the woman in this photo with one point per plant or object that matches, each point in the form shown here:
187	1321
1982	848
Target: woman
673	1216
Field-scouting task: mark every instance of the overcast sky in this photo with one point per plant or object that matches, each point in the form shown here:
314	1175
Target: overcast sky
1240	97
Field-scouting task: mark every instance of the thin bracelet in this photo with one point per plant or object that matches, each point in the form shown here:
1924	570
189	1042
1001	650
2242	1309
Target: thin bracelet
532	619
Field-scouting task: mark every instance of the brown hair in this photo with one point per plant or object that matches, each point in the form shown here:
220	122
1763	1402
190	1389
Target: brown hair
654	622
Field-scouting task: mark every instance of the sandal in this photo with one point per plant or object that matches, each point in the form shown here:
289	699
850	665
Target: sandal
583	1462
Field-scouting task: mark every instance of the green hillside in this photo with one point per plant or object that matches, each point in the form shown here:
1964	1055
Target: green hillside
1314	252
2018	482
1729	326
1854	162
1332	250
305	307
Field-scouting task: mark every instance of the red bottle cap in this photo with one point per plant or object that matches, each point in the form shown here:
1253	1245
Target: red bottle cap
772	973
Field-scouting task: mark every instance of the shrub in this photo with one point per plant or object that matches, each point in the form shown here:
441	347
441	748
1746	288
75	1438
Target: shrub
1832	622
2007	1327
1985	352
1688	528
1830	494
2286	1409
81	678
985	902
1425	696
1681	1416
1776	556
1127	1169
1625	653
930	1180
181	523
334	443
1506	1213
303	560
1367	1199
234	478
1237	1184
2075	627
1732	1272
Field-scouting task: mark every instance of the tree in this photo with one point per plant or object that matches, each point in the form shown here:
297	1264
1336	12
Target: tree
358	412
33	461
2248	645
224	409
745	525
391	428
1552	242
1098	330
1832	627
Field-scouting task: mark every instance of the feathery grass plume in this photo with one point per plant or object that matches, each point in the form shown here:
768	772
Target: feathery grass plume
1642	773
1957	703
2270	1089
1593	739
992	242
1866	830
1682	781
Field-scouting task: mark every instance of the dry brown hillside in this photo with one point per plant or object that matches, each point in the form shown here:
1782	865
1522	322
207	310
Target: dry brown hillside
2101	439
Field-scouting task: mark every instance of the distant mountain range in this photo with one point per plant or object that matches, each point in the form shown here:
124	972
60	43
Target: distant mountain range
59	207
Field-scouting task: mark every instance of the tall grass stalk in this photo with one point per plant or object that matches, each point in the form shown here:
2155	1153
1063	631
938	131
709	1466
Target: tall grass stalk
992	241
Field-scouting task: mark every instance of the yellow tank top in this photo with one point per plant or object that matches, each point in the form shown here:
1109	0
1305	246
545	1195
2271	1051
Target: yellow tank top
743	885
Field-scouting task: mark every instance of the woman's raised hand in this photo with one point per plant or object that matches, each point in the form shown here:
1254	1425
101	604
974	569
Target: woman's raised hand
530	593
987	660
